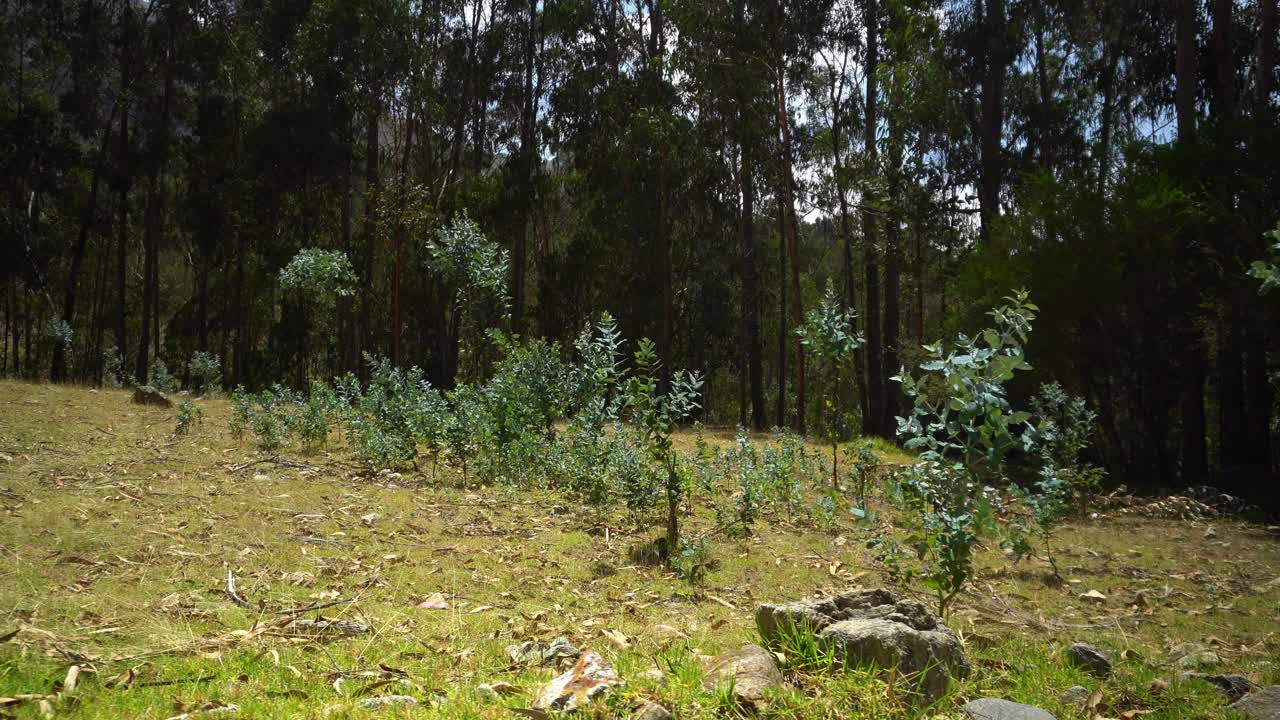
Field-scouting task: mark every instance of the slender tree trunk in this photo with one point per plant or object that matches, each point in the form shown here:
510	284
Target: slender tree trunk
870	252
151	230
1266	56
126	182
346	323
750	291
397	320
793	239
892	273
782	318
370	228
846	233
1107	120
1046	97
991	150
528	158
58	372
1185	66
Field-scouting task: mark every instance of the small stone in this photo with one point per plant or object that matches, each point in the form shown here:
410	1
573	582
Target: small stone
384	701
370	519
261	478
1074	695
1093	596
590	678
1261	704
531	652
750	669
997	709
1090	659
653	711
655	675
497	690
1210	533
1233	686
1199	659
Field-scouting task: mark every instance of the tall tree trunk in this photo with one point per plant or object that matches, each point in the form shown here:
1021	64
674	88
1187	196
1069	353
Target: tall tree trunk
782	317
397	321
58	371
793	237
1108	112
870	252
991	150
750	291
126	182
528	158
1265	56
151	230
1195	464
892	274
1046	96
1185	66
846	233
370	228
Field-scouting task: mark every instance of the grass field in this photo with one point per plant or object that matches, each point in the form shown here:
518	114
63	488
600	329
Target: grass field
117	538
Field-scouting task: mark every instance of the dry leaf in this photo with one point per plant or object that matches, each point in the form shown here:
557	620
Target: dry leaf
434	601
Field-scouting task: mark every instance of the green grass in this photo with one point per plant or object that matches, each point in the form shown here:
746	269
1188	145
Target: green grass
117	537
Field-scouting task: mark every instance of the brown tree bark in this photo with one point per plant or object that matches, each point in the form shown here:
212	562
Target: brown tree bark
874	418
152	218
992	99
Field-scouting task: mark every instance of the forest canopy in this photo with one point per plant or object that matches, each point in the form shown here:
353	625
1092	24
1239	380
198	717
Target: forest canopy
270	191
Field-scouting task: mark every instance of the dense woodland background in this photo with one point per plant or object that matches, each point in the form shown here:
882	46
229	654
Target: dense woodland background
700	168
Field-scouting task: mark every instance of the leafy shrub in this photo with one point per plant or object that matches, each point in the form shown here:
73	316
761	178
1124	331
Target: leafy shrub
311	420
1268	272
113	373
160	377
654	415
828	332
270	417
206	372
319	277
1067	426
190	416
399	409
962	423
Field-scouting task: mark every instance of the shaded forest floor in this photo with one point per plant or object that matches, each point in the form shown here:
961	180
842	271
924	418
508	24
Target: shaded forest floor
117	538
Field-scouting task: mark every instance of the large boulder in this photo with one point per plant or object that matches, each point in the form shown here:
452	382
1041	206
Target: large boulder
873	627
147	395
750	670
1261	704
998	709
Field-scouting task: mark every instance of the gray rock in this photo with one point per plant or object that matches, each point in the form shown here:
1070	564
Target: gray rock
1233	686
1199	659
383	701
997	709
147	395
530	652
874	627
653	711
1090	659
1261	704
1074	695
751	670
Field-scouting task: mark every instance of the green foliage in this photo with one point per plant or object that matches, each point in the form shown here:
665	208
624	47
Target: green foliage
1067	427
473	265
1047	503
960	413
206	372
160	377
399	409
1268	271
653	415
113	373
190	416
58	332
319	277
962	423
829	334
